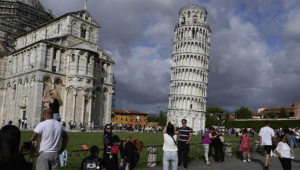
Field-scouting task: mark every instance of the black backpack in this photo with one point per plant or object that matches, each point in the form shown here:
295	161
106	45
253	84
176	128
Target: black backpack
91	164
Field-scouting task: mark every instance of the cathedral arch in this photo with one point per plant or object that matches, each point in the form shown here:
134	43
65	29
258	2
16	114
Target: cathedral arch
47	81
90	34
58	83
14	87
79	105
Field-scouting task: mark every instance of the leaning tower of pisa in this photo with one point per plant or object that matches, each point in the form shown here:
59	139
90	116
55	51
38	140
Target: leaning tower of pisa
189	72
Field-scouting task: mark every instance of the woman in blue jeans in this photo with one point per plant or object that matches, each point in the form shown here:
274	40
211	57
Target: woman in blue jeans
170	147
54	102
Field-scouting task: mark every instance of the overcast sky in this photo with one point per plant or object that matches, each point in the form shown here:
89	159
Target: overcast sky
254	51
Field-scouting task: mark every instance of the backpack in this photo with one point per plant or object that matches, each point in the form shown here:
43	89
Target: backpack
91	164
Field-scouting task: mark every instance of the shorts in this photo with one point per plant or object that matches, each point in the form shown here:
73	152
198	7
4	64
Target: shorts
268	149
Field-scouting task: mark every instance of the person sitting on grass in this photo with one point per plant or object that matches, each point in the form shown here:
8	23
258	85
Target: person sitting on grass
92	159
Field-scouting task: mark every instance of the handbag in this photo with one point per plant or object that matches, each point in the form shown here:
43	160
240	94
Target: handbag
221	138
114	149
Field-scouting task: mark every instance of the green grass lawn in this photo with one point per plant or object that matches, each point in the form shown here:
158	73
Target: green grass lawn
76	139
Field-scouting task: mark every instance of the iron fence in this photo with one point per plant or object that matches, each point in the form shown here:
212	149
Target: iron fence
196	153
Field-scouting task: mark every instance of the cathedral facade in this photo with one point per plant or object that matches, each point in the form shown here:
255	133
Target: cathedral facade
61	54
189	72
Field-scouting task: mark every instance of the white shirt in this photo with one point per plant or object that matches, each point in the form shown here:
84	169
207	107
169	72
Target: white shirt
50	132
266	134
169	144
284	150
296	135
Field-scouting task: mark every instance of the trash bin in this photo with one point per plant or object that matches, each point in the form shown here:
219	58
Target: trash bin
152	157
228	148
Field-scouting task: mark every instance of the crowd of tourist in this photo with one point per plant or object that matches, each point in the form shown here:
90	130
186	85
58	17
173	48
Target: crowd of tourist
279	143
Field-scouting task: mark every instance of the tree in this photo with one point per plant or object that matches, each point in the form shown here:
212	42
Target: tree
266	116
226	119
211	120
152	119
243	113
214	110
283	114
272	115
162	119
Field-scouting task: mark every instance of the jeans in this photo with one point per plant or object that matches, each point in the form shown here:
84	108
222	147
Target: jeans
170	156
206	150
56	116
63	158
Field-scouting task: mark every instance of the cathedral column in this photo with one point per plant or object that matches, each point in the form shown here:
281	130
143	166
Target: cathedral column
34	117
92	64
41	59
74	105
63	114
90	107
34	54
77	63
84	97
51	59
58	56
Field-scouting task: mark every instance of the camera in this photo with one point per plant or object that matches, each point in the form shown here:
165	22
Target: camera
177	128
26	146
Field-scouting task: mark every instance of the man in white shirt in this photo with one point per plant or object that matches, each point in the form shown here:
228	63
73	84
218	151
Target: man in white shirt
266	134
51	131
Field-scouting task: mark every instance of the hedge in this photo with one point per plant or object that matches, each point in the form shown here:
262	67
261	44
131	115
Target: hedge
257	124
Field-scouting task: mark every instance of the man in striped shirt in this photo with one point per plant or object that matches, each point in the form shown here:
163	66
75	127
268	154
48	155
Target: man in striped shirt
185	137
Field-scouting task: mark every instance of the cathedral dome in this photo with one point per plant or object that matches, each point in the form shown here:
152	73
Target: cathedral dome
33	3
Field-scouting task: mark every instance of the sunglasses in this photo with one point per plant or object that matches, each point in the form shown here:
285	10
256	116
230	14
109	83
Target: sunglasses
183	122
108	128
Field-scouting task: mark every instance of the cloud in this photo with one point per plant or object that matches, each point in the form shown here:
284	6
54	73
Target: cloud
253	53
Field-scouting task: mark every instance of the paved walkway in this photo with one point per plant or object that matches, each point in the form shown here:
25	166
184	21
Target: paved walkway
233	163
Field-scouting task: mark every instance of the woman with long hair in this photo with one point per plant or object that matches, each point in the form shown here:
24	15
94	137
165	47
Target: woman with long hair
107	143
54	102
218	146
245	145
10	157
205	142
130	156
284	153
170	147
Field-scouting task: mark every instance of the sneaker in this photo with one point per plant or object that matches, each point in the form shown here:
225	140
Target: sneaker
292	157
244	160
249	160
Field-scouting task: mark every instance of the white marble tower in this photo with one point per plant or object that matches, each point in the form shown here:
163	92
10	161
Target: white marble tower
189	72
